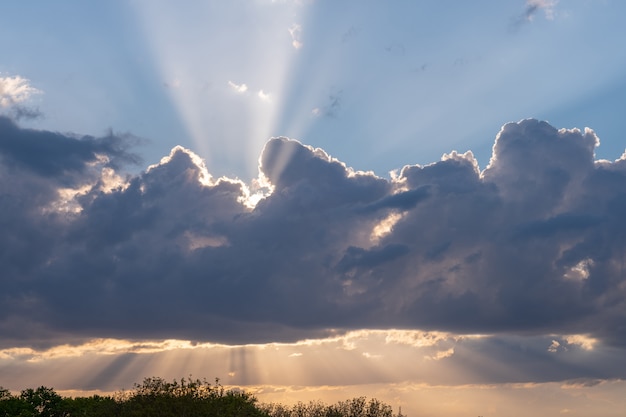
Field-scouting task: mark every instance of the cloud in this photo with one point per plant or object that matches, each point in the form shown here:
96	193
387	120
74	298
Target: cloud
296	35
238	88
264	96
15	90
14	93
19	112
58	156
554	346
243	89
359	357
533	244
533	7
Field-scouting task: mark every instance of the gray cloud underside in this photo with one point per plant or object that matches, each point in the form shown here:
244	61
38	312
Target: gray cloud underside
534	244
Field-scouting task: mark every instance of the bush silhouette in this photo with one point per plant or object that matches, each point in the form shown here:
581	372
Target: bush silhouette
156	397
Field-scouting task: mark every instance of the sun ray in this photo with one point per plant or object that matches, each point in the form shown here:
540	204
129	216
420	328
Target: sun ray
230	110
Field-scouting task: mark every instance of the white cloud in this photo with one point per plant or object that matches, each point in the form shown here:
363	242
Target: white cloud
264	96
554	346
295	31
14	90
238	88
580	271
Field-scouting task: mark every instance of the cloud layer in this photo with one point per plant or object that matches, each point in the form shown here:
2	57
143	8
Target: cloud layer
534	244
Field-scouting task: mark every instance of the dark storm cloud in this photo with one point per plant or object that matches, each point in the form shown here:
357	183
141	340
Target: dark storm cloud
536	243
54	154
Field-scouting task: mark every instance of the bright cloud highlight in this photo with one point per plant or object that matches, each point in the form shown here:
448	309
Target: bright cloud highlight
15	90
506	275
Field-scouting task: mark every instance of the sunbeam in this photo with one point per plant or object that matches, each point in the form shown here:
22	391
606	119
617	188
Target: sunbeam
228	109
315	199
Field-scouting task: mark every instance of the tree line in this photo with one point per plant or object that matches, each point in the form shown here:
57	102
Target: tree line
187	397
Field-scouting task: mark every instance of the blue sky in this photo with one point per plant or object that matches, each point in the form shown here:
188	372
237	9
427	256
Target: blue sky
403	83
151	226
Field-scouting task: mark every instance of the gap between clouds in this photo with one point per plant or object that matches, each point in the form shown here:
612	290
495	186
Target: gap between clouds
353	358
533	244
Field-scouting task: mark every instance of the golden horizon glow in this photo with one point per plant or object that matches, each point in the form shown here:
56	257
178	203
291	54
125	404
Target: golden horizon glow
440	373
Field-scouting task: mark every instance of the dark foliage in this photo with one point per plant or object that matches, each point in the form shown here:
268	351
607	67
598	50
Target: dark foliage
356	407
156	397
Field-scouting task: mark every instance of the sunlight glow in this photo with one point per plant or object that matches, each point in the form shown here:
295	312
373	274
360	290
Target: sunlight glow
442	354
204	177
223	127
435	362
264	96
415	338
100	347
350	341
584	341
67	200
554	346
384	227
580	271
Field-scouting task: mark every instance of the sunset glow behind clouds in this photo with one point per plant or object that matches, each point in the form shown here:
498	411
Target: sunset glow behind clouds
239	218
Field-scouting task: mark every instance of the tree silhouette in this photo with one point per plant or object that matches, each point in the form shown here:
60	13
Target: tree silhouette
156	397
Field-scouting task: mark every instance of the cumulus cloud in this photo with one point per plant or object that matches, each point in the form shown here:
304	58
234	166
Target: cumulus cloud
15	93
15	90
533	244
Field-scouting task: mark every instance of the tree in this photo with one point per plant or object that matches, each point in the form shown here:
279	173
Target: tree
5	394
187	397
94	406
356	407
44	402
156	397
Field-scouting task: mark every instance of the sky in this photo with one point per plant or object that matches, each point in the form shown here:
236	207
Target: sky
417	201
